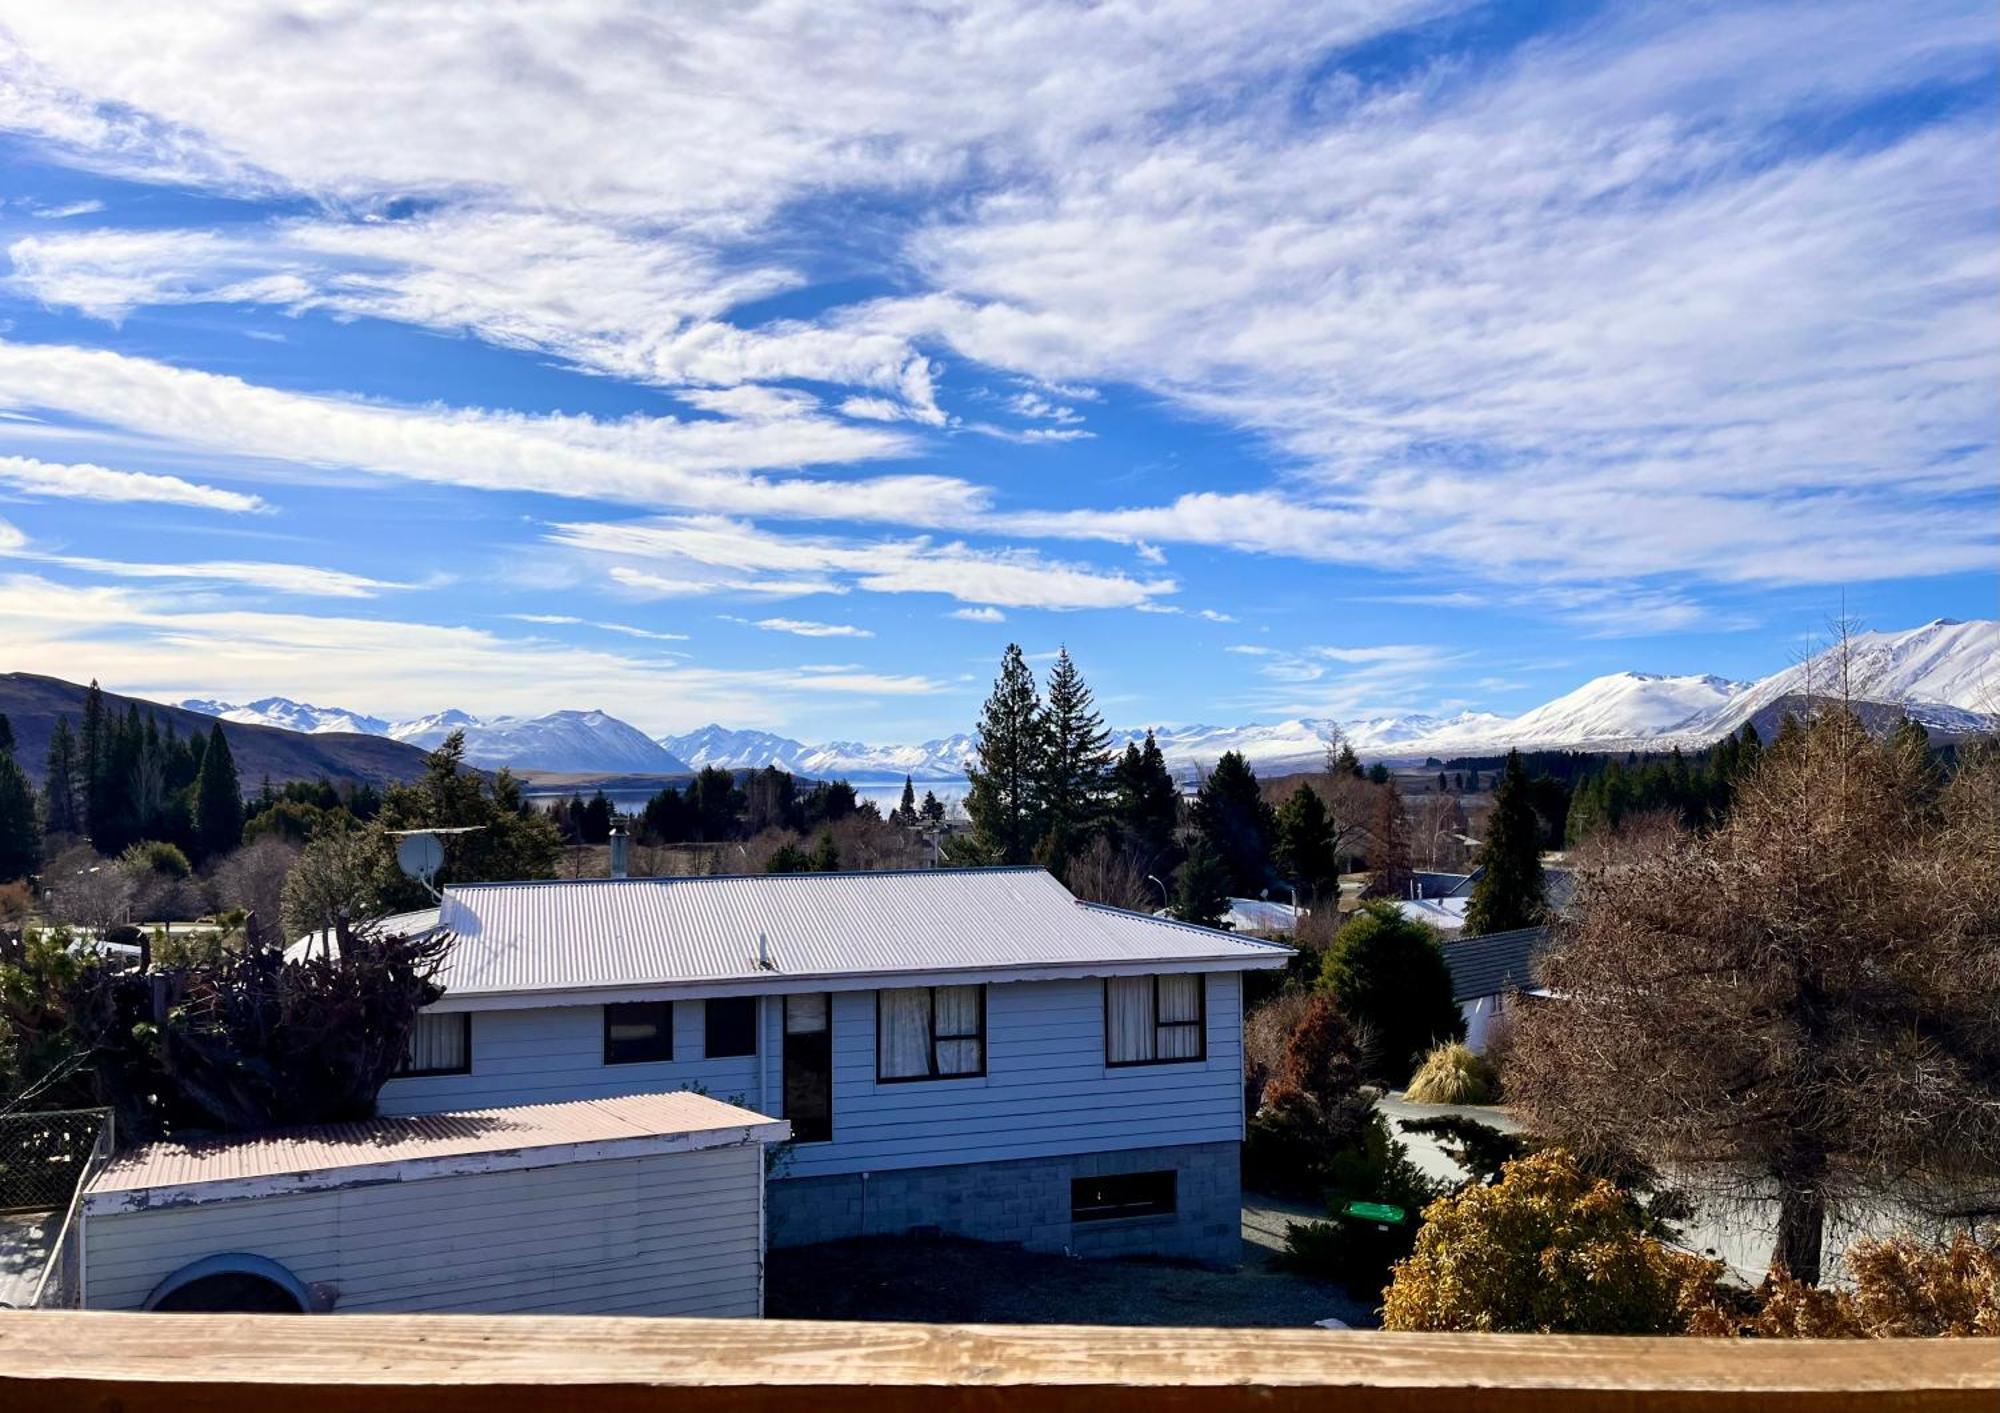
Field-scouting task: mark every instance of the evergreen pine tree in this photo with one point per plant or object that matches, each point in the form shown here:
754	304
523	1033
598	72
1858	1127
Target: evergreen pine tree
1305	842
1510	892
1346	763
1075	778
1202	894
62	792
826	856
1004	800
1230	813
1378	773
20	827
95	760
906	812
1146	804
218	799
932	810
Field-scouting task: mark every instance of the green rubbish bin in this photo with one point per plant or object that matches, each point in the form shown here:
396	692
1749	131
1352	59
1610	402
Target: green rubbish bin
1379	1234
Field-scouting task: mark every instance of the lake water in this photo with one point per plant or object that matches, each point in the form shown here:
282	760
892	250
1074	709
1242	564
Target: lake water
885	794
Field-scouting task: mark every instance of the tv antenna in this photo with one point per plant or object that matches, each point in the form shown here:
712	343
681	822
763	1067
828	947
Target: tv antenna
420	852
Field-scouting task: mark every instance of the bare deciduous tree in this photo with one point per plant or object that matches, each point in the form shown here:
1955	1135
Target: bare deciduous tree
1800	1003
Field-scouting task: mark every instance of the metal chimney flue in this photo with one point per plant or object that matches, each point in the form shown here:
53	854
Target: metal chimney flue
621	852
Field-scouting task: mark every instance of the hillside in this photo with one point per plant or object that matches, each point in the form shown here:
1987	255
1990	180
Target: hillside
33	704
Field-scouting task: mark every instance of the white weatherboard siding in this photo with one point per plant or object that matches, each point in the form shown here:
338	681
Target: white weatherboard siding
672	1234
1046	1091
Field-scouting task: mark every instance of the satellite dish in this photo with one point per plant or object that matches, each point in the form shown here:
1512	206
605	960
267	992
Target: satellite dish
420	856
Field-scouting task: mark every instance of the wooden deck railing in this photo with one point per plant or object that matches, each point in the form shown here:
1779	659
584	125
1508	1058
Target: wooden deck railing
53	1361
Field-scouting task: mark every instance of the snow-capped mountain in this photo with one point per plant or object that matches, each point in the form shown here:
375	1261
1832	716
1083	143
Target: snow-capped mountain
717	745
1945	674
1948	662
573	742
290	715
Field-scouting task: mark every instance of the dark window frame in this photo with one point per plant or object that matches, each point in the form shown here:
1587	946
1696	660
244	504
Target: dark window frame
784	1069
1141	1205
465	1030
935	1073
668	1030
708	1050
1200	1024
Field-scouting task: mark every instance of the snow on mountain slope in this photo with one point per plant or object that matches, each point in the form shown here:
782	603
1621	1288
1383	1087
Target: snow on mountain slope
290	715
1947	661
856	761
717	745
573	742
1621	706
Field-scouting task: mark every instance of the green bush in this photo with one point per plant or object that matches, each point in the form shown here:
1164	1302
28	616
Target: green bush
1454	1074
157	856
1392	981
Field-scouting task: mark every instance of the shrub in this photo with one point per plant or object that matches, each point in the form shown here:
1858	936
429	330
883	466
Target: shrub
1547	1249
156	856
1313	1105
1453	1074
1901	1289
1391	978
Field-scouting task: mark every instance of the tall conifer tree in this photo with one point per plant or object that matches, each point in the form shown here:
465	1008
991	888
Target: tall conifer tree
1510	892
1230	812
218	798
62	794
20	829
1075	781
1004	800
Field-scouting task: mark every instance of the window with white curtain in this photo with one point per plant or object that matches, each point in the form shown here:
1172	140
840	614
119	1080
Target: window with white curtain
930	1032
1155	1020
439	1045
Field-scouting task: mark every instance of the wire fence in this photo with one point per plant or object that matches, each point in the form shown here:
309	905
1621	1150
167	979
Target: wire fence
61	1285
43	1156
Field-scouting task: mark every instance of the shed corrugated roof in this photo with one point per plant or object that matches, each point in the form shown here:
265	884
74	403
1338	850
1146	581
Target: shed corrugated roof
326	1148
1494	963
586	934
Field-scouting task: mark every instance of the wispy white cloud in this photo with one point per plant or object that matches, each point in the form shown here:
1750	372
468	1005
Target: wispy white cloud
163	645
564	620
986	614
85	481
693	463
1004	578
806	628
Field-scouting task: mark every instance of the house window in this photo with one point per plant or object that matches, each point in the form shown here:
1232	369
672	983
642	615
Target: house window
930	1032
729	1024
808	1063
638	1031
1155	1020
439	1045
1104	1199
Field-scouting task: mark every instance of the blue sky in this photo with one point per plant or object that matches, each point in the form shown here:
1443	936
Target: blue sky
779	366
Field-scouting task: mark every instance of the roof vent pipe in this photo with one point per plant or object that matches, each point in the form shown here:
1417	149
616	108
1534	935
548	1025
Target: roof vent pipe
763	952
621	850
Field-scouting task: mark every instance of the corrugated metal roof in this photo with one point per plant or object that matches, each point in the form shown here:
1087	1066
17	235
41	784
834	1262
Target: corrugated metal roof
1494	963
584	934
370	1143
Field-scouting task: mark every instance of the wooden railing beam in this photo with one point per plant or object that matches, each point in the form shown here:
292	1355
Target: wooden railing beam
51	1361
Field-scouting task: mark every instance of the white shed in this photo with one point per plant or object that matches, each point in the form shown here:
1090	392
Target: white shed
647	1204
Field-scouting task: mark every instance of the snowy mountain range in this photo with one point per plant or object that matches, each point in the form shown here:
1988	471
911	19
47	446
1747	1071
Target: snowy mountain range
1945	674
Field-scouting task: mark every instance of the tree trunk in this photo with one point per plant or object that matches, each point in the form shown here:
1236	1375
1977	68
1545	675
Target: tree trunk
1801	1230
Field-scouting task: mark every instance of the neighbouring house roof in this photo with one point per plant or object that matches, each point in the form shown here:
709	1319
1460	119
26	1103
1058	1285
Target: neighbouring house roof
326	1156
1495	963
1261	915
1444	914
645	938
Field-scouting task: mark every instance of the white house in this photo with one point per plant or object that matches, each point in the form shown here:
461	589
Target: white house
1487	971
972	1051
649	1204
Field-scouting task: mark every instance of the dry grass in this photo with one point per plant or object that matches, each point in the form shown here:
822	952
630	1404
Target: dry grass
1453	1074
